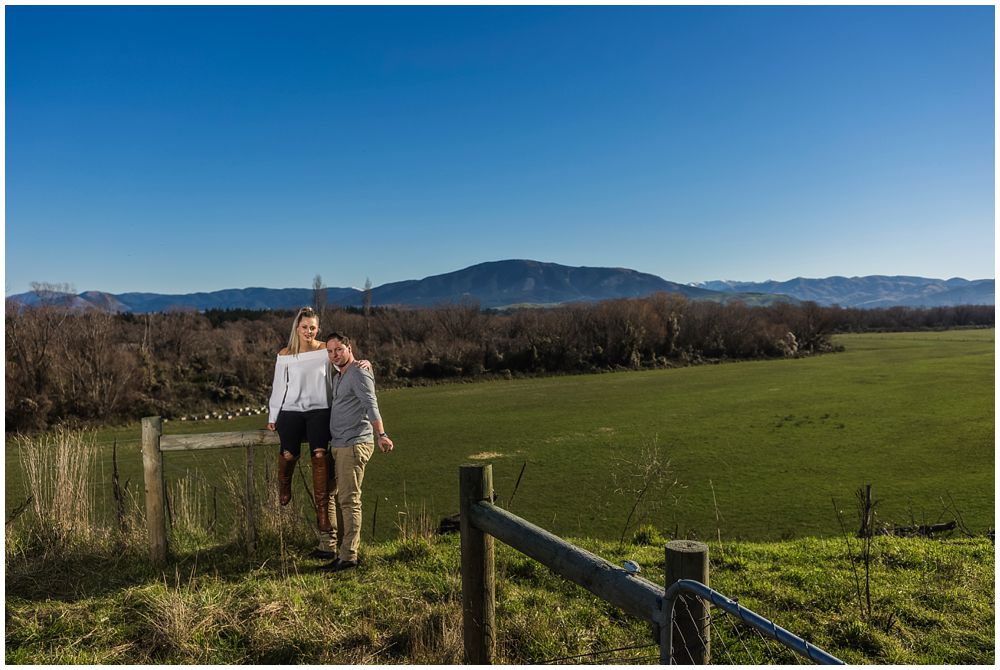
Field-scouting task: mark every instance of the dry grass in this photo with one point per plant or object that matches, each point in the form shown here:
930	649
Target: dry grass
60	471
485	456
191	499
415	525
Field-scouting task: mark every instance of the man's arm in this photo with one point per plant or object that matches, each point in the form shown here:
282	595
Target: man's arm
366	391
384	443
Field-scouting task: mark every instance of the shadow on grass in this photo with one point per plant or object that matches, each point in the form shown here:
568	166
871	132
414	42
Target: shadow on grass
81	572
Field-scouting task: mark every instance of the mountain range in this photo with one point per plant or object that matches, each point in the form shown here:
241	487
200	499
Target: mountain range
513	283
871	291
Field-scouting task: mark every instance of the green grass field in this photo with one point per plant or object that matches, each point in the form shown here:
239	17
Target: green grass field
932	602
911	413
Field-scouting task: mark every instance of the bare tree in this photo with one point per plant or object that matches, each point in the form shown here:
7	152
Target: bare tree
30	332
368	312
368	296
319	296
53	295
96	370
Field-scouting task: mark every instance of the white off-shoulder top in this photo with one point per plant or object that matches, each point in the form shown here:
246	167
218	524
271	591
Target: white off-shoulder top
300	383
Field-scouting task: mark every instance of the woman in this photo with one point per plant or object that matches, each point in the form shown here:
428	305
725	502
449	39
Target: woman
299	410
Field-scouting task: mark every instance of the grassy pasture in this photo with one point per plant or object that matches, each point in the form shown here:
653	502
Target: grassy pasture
912	413
932	603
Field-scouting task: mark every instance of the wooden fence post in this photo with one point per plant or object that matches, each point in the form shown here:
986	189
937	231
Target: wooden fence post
478	580
152	472
691	634
251	519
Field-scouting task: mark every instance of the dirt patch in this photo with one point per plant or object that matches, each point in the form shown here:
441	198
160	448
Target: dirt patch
485	455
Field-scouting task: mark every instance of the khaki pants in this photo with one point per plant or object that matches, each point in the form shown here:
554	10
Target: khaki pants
331	541
345	500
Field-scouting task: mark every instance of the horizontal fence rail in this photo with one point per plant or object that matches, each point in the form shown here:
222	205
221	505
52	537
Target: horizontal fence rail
631	593
749	617
248	438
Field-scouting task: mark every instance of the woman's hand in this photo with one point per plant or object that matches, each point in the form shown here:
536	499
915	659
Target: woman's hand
270	427
365	365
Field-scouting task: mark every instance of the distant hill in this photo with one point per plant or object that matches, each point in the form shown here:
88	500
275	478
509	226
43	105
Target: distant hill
237	298
872	291
500	284
518	282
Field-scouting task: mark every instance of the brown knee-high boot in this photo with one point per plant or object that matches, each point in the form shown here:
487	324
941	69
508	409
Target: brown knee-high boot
285	470
320	491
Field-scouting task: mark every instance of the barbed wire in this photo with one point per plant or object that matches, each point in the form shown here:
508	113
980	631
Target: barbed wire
630	659
593	654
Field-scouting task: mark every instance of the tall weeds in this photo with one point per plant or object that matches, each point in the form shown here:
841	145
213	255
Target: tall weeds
59	472
292	524
645	478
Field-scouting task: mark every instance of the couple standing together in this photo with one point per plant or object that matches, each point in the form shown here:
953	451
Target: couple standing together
323	396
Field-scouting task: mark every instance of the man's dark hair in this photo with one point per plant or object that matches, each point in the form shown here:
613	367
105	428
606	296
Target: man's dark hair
338	336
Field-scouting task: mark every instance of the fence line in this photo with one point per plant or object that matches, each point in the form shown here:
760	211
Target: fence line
155	443
481	521
686	571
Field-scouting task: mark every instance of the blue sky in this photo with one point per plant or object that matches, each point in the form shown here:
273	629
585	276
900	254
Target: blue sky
181	149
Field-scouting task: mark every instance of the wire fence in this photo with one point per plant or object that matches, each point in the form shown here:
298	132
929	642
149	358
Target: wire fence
731	634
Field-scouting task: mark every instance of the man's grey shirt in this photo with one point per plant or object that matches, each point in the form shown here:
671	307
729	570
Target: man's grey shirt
353	407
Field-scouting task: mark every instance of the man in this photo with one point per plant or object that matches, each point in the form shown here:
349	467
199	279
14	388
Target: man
354	423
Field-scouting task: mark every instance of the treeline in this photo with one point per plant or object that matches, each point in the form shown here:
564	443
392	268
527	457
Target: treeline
69	367
895	319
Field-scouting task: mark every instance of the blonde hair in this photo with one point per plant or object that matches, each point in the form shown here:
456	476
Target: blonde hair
293	338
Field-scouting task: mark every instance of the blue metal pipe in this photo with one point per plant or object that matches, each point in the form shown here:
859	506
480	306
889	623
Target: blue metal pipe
766	627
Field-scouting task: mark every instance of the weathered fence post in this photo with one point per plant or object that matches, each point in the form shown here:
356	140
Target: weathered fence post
152	472
685	637
478	581
251	519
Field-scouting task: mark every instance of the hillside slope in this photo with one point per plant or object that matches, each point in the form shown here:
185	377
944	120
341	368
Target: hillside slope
503	283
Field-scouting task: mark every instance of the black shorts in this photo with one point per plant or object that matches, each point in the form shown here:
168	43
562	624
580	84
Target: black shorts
294	428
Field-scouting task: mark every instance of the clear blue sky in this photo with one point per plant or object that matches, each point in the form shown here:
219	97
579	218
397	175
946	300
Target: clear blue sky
181	149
